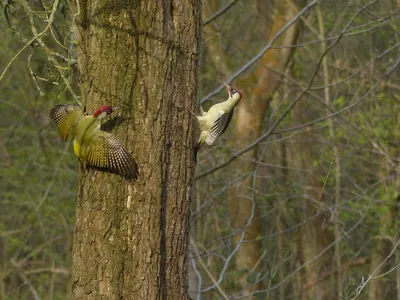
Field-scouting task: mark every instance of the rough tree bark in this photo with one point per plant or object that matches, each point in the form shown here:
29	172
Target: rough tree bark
131	238
248	125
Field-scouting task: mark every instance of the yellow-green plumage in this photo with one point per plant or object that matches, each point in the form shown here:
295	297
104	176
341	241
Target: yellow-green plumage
66	117
216	120
94	147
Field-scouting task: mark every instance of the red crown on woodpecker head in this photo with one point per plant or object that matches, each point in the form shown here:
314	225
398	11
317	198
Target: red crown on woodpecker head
104	108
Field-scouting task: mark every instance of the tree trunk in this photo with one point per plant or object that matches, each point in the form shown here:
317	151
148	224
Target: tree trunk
332	130
379	253
314	239
131	238
248	124
314	236
381	245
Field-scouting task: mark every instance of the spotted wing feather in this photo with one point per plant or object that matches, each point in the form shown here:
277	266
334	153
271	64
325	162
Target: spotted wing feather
219	127
106	153
66	117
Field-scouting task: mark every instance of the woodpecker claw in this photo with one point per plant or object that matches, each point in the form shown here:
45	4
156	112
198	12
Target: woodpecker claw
192	113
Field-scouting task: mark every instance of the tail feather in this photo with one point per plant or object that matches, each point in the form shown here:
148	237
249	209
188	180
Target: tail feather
197	148
202	112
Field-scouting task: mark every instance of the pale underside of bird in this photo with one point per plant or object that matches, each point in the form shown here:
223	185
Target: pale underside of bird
215	121
94	147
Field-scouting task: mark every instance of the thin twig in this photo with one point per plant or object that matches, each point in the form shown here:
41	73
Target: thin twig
272	129
262	52
220	12
371	276
50	21
207	271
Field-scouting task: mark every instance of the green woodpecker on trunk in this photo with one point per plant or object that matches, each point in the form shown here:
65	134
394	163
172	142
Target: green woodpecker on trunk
214	122
94	147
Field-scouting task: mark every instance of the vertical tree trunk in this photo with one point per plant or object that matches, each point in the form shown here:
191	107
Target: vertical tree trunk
337	233
314	236
379	253
381	244
314	239
131	238
248	124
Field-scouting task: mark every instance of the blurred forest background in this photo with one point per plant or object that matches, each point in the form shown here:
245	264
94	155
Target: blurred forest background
299	199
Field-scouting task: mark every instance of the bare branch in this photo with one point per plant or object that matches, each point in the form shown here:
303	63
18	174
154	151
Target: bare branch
371	276
272	129
261	53
220	12
50	21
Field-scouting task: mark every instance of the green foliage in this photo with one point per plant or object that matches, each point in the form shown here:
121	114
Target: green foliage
38	174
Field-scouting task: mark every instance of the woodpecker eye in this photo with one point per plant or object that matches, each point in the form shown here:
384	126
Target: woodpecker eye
107	109
233	91
103	109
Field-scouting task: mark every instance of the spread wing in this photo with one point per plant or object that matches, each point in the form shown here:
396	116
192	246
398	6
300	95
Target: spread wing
219	127
106	153
66	116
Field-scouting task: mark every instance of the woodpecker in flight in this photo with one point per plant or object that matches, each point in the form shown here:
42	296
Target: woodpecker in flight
214	122
94	147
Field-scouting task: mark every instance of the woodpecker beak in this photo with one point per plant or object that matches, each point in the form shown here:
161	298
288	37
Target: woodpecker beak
228	88
116	108
231	90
